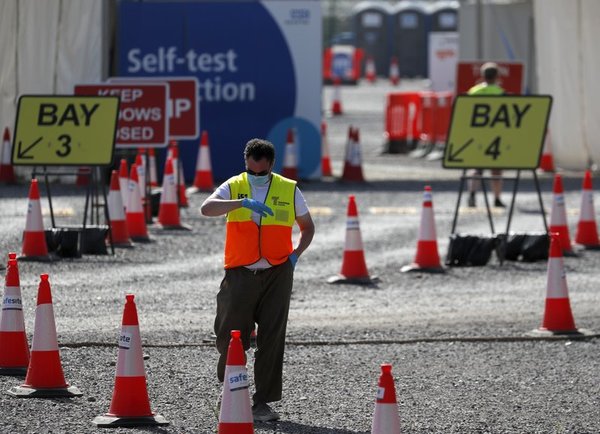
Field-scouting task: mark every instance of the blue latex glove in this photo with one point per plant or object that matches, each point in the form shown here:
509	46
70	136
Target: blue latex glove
293	259
256	206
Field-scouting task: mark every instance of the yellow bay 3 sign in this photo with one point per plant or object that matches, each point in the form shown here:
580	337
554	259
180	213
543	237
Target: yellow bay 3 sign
65	130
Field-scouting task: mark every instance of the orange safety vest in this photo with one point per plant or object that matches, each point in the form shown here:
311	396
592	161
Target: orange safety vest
245	241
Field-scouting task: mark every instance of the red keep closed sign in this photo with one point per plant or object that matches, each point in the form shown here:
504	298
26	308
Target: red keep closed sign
143	119
510	76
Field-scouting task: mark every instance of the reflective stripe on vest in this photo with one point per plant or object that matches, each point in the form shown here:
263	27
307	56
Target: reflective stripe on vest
245	242
486	89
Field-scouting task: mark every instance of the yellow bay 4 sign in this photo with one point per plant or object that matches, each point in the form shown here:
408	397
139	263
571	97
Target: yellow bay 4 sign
65	130
497	132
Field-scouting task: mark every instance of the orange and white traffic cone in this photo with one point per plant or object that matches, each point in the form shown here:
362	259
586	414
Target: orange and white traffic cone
235	415
130	405
168	213
353	161
203	181
427	258
140	162
290	169
587	230
124	181
370	72
178	170
547	160
45	377
558	216
385	418
394	71
325	160
354	266
336	105
116	214
136	221
7	173
14	350
558	317
152	164
34	238
83	176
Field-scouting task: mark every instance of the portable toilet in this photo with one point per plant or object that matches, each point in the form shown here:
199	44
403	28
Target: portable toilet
410	27
372	29
444	16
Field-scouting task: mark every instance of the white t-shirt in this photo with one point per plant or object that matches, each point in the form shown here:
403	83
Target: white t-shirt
260	194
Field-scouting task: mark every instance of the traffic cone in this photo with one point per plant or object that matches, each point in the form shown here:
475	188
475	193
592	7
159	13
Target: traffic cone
168	213
587	231
427	257
178	171
152	164
353	161
14	350
116	214
558	217
34	238
124	181
385	418
370	73
130	405
289	160
140	162
83	176
235	416
136	222
558	317
354	267
45	377
547	160
203	181
325	160
336	105
7	173
394	71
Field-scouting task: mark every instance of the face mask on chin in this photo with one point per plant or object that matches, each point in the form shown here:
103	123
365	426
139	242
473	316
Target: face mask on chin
258	181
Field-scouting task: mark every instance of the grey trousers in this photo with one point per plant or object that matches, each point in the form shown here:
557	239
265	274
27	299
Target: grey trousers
263	298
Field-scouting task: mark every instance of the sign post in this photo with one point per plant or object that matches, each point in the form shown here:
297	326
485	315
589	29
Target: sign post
497	132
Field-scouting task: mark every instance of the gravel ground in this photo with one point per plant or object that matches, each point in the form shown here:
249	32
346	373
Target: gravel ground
457	341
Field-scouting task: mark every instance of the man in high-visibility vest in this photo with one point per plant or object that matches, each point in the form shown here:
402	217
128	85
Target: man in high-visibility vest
261	208
489	72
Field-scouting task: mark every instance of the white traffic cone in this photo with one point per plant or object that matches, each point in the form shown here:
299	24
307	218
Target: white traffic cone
34	238
124	181
136	221
385	418
45	377
290	169
427	258
14	350
587	230
235	415
558	217
203	181
130	405
116	214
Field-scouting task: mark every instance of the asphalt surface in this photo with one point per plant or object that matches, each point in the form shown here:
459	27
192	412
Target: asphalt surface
458	342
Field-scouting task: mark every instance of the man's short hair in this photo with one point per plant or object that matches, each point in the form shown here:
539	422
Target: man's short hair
259	149
489	71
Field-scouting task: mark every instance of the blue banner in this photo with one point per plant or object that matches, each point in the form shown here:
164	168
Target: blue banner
248	84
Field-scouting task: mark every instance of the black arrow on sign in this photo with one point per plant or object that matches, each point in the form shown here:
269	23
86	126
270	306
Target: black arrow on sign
452	155
22	153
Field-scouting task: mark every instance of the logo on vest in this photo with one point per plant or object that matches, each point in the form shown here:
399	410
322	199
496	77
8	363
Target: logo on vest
277	202
242	195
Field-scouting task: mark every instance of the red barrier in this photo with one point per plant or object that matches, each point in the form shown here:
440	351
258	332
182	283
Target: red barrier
402	121
427	118
443	115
